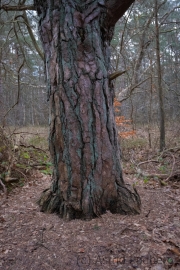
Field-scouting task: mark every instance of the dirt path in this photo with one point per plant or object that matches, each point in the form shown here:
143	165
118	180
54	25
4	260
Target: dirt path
30	239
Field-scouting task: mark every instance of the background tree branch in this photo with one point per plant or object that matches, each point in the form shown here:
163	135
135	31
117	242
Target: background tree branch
116	9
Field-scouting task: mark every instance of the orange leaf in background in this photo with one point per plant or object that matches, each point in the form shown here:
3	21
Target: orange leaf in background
117	110
116	103
121	121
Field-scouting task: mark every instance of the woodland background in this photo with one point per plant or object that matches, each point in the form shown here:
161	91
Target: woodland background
146	49
134	50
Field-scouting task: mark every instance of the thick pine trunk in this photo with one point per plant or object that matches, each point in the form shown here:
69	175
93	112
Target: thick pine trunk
87	177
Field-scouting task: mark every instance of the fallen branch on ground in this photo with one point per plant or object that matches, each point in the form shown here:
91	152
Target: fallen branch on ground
147	161
144	174
32	146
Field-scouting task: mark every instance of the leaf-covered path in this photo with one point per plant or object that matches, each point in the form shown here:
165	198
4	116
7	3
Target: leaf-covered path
30	239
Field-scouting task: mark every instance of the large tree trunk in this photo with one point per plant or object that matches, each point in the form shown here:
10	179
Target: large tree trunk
87	177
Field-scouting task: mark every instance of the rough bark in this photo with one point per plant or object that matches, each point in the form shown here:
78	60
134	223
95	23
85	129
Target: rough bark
87	177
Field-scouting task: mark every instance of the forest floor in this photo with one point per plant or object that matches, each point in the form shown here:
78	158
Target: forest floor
30	239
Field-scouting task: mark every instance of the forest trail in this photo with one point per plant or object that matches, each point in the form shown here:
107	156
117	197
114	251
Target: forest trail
30	239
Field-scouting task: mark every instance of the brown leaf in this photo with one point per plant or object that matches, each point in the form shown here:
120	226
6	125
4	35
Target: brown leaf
81	250
175	250
2	220
118	260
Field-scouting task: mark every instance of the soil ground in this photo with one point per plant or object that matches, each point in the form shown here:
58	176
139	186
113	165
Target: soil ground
30	239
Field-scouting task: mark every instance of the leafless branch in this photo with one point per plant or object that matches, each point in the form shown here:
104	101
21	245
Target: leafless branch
129	91
32	36
18	94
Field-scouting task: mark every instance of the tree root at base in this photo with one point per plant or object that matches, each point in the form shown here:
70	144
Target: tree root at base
127	202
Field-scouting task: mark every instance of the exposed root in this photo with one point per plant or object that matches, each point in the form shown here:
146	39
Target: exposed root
127	202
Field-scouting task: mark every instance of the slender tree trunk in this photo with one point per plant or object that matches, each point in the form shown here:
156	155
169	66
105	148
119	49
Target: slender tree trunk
160	89
87	177
150	106
32	109
2	105
1	91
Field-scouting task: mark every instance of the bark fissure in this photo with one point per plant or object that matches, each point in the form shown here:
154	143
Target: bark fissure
87	177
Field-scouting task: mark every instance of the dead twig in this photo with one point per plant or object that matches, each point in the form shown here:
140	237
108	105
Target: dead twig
147	161
144	174
22	174
175	149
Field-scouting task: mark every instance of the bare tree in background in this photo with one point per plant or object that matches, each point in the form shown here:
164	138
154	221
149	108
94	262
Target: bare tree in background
159	80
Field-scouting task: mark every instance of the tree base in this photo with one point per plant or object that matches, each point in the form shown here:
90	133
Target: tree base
127	202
